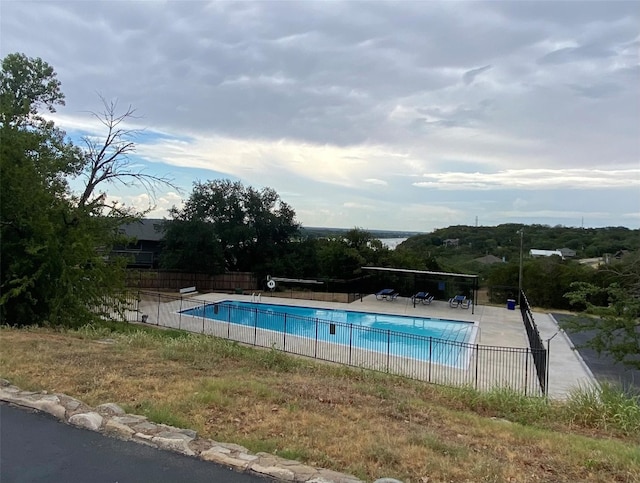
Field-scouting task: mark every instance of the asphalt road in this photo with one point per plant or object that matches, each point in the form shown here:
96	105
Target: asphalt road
603	366
36	447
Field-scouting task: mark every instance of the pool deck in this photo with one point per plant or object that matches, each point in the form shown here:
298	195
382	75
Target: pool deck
498	326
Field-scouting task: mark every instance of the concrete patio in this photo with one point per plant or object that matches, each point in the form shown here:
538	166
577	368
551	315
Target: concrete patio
498	326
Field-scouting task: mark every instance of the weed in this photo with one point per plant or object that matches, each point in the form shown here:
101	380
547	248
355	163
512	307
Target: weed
266	445
299	454
159	413
276	360
607	407
383	454
439	445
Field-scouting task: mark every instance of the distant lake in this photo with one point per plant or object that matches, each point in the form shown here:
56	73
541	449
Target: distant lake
392	243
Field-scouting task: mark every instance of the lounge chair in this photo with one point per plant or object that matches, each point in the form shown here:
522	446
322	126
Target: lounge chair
466	303
386	294
458	301
422	297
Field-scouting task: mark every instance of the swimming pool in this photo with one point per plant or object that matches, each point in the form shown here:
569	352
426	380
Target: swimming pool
434	340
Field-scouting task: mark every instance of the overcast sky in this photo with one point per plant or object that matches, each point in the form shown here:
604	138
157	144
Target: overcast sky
404	115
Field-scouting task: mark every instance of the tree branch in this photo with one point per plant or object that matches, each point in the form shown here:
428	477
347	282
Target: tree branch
108	161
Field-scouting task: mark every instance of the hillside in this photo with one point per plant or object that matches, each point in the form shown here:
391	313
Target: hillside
354	421
504	240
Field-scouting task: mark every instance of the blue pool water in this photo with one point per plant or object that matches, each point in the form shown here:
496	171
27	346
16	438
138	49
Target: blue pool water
436	340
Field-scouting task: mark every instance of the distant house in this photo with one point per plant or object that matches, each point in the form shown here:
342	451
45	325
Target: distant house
620	254
545	253
451	242
489	260
567	252
144	250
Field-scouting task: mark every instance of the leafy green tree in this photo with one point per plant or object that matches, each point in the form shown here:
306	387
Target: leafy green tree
336	259
250	229
51	269
191	245
55	264
613	312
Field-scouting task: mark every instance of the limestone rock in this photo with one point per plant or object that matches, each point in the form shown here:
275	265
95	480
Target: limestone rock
336	477
146	427
52	408
119	430
129	419
274	471
91	420
224	459
174	441
72	404
110	409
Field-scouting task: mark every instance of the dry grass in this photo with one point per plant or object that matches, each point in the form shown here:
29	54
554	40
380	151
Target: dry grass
359	422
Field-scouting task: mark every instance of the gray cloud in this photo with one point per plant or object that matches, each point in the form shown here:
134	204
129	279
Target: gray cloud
348	89
469	76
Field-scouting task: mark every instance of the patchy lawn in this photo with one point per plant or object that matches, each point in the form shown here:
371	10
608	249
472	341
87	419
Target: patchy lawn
355	421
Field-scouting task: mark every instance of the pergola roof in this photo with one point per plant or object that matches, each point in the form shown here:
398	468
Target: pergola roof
420	272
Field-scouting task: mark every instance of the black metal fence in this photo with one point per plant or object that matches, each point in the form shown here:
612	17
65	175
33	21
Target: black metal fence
448	361
538	350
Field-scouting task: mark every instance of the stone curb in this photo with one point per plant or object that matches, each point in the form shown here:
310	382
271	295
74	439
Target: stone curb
110	419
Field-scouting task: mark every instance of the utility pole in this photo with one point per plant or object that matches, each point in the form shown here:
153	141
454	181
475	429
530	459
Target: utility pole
521	231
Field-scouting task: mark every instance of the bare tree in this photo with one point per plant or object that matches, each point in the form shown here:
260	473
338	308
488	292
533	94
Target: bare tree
107	161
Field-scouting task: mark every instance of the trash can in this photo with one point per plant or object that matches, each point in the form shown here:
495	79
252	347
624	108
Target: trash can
511	304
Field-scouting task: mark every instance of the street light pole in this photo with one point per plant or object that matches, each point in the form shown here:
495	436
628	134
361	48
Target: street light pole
521	231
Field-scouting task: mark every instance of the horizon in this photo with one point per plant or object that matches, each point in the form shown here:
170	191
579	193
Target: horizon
405	116
414	232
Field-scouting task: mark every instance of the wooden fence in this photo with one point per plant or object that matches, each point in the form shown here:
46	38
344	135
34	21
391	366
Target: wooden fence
174	281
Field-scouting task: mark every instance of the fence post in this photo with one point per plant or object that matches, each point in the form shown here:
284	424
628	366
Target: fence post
477	358
229	322
158	317
180	316
526	370
255	327
315	351
284	337
388	347
204	311
430	354
350	338
545	392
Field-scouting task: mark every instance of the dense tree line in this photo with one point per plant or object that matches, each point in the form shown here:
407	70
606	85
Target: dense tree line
546	280
225	226
504	240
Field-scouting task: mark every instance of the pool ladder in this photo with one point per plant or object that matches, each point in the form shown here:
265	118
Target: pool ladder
256	297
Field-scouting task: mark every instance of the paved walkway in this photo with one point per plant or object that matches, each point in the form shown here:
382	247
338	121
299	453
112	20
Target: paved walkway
498	326
36	447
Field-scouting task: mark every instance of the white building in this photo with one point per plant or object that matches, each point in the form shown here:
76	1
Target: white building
545	253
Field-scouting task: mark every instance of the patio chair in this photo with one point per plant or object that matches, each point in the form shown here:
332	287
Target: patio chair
384	294
422	297
457	301
419	297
